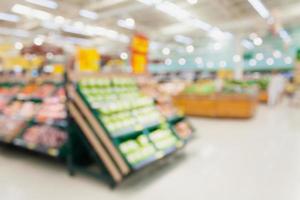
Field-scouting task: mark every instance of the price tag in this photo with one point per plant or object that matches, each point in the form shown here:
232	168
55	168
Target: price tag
52	152
159	155
31	146
138	127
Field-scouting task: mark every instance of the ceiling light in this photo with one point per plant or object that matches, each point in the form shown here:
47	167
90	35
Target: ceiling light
166	51
259	56
270	61
217	34
217	46
236	58
168	61
190	49
44	3
39	40
124	56
59	19
19	45
258	41
173	10
128	23
288	60
193	2
277	54
260	8
179	13
9	17
252	62
181	61
223	64
183	39
252	36
88	14
247	44
30	12
198	61
14	32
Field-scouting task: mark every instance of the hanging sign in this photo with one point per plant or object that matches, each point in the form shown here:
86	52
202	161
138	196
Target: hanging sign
139	54
88	60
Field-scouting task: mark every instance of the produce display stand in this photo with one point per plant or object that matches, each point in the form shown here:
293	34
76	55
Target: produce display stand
217	105
106	148
263	96
15	136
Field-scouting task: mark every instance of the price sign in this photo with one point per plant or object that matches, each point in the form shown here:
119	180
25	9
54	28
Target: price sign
88	60
139	54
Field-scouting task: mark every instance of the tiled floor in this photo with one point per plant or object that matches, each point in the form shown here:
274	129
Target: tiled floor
257	159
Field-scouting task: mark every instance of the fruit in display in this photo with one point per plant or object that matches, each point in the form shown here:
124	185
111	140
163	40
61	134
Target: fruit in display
21	109
51	111
45	135
137	150
163	138
10	127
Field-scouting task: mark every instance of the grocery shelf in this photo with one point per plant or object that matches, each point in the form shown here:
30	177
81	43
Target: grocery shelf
107	144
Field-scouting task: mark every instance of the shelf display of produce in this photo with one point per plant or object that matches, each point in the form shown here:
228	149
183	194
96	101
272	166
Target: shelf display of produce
129	125
212	99
33	117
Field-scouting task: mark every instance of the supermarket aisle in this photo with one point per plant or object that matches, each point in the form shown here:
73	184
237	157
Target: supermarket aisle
229	160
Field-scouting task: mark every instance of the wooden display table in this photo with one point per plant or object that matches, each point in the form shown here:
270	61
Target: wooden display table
217	105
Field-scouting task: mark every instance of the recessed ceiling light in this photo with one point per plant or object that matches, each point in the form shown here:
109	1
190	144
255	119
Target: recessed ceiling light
181	61
168	61
198	60
124	56
166	51
236	58
258	41
18	45
270	61
288	60
223	64
277	54
259	56
190	49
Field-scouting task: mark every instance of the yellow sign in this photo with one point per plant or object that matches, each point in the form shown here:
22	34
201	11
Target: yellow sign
140	44
58	69
88	60
139	63
139	51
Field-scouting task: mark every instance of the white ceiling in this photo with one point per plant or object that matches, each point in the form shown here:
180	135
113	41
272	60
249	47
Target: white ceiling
235	16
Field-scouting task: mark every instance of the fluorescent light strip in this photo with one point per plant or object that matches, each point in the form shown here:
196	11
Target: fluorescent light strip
30	12
14	32
9	17
260	8
88	14
45	3
181	15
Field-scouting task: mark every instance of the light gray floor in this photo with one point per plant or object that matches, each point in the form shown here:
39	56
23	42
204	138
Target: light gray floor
257	159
